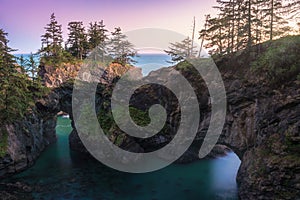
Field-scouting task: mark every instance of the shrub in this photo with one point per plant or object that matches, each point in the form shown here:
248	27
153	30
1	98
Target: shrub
281	60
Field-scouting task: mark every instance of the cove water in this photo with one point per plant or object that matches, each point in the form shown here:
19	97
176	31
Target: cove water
60	173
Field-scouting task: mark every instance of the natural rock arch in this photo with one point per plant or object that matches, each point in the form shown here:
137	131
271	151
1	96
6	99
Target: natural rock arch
262	127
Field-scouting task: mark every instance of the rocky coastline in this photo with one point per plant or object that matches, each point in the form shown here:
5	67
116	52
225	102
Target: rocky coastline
262	127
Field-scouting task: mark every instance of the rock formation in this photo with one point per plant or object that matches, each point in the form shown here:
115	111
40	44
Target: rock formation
262	127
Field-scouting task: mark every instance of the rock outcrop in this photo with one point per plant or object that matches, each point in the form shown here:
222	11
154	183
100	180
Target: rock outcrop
26	139
262	127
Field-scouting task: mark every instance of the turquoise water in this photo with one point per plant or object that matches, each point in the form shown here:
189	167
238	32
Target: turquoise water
63	174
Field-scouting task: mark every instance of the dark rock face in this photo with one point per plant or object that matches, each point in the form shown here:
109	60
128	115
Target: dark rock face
271	167
262	127
26	140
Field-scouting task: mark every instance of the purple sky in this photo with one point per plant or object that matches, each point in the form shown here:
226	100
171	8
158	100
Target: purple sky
25	20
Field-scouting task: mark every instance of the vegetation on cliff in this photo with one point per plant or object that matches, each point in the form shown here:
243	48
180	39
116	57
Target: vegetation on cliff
3	142
81	44
17	88
280	61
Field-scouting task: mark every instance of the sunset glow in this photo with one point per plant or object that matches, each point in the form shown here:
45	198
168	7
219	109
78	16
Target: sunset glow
26	24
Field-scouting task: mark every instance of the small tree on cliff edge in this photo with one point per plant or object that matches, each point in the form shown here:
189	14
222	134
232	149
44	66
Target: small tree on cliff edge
180	51
77	43
52	50
97	39
120	49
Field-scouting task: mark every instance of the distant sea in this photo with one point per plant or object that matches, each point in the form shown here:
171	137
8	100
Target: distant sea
152	62
148	62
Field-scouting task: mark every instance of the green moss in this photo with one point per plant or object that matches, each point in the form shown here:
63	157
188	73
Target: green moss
140	117
120	140
184	65
3	143
106	120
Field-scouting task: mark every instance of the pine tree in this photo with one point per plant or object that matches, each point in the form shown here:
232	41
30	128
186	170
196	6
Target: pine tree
203	34
273	11
214	35
292	9
97	38
15	97
120	49
77	43
180	51
32	67
22	61
52	41
97	34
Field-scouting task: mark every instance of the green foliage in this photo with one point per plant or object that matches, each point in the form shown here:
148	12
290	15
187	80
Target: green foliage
52	51
106	119
120	49
17	89
241	24
97	35
77	43
140	117
3	143
58	60
93	42
119	140
281	60
182	50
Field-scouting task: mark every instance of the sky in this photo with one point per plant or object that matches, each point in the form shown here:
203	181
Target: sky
24	21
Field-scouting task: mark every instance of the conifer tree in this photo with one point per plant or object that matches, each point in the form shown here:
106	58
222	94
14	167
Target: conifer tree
97	34
22	61
52	41
77	43
273	11
97	38
14	94
182	50
241	24
32	67
120	49
203	34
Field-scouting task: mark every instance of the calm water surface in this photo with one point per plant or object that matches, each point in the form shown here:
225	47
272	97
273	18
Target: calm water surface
63	174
